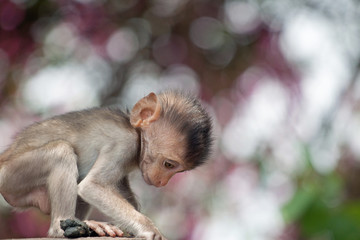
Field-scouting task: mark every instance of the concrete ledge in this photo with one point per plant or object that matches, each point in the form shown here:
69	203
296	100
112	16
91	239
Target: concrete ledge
87	238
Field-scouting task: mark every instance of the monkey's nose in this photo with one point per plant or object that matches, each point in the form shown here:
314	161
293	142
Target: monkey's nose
158	184
161	183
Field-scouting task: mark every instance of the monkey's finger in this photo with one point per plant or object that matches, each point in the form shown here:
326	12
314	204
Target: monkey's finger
111	230
96	227
118	232
108	230
99	231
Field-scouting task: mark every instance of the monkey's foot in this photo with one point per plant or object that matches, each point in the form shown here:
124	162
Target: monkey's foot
104	229
76	228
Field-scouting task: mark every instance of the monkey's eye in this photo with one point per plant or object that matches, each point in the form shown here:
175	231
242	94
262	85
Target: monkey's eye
169	165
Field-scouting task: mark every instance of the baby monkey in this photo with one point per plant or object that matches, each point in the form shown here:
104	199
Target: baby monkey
69	163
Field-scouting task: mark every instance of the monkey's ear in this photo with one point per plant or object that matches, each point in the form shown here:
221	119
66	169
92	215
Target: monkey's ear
145	111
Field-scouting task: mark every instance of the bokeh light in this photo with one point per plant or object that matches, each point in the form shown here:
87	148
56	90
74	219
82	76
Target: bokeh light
280	79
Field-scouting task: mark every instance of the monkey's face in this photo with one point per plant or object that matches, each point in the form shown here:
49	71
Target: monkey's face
162	150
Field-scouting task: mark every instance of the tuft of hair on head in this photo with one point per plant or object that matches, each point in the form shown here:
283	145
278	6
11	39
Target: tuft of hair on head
184	112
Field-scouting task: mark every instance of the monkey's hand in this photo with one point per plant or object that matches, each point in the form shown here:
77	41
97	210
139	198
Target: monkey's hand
149	231
104	229
152	236
74	228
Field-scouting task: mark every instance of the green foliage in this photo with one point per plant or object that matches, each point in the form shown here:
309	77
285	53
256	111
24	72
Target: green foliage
320	208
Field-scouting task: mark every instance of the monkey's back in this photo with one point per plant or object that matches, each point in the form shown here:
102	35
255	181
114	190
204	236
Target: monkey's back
95	123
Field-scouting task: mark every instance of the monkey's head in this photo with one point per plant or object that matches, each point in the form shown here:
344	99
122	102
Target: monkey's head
176	135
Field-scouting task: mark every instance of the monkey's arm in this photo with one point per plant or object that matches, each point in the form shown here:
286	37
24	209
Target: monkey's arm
99	188
125	191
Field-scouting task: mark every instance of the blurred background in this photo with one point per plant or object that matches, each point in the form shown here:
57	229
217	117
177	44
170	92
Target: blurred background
279	77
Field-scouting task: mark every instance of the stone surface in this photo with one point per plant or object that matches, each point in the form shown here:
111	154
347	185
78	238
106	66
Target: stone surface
87	238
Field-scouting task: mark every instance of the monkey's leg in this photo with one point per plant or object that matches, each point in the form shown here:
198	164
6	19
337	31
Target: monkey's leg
100	228
62	185
43	177
82	209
